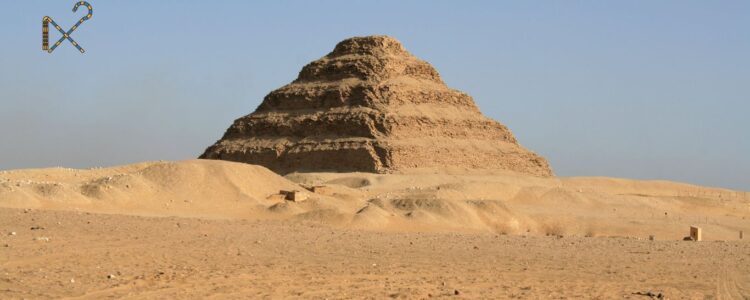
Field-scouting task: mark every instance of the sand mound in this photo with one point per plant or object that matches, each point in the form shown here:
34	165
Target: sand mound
510	203
185	188
500	202
374	107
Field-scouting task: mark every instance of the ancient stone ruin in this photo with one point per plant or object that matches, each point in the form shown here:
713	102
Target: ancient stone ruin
371	106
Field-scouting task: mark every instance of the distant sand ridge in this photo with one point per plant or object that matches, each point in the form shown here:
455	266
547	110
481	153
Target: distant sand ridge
371	106
500	201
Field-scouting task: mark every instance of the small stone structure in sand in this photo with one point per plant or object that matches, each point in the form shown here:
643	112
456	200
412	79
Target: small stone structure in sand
371	106
696	233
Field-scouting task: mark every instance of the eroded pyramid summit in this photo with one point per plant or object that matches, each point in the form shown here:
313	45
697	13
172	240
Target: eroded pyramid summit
371	106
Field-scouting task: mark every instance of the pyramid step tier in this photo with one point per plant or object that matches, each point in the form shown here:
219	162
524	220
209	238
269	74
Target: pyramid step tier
379	156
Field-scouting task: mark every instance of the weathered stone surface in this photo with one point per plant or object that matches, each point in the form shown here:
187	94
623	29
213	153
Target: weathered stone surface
371	106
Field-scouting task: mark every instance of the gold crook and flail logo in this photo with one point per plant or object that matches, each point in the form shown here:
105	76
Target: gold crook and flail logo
65	34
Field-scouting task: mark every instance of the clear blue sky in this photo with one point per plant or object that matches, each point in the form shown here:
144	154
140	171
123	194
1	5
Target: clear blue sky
638	89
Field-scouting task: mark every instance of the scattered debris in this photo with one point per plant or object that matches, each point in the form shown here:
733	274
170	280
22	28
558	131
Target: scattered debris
276	197
650	294
12	233
37	228
111	276
42	239
319	189
293	195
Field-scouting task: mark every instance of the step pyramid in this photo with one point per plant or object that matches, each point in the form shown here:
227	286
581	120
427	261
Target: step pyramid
371	106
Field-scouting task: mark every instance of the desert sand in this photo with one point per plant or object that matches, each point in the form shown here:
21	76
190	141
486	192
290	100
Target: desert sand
95	256
204	228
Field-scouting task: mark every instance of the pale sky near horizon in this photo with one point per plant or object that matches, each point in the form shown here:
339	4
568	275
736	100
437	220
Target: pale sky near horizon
635	89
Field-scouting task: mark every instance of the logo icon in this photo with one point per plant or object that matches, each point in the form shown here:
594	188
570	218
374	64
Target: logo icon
65	35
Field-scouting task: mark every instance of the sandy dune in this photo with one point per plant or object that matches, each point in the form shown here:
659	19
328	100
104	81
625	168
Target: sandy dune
189	188
500	202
